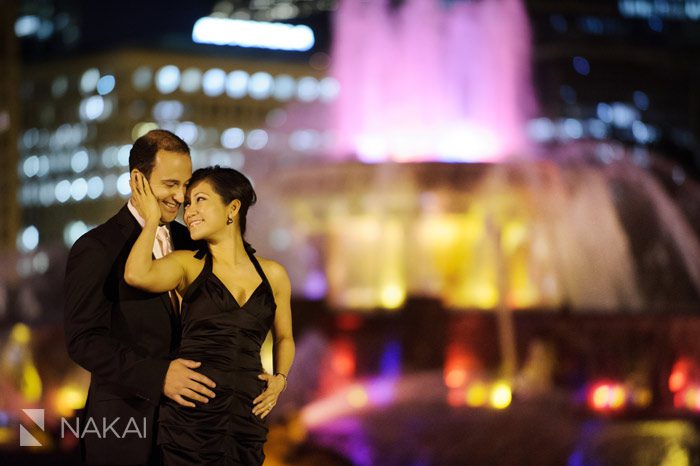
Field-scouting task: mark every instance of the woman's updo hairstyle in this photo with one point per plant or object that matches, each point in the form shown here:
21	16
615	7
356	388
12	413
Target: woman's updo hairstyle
229	184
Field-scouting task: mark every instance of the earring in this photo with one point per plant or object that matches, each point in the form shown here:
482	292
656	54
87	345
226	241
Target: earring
229	221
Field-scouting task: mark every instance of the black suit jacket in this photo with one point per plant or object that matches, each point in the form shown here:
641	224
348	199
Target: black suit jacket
123	336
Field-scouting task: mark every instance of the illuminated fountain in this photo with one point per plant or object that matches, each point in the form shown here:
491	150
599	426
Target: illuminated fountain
392	210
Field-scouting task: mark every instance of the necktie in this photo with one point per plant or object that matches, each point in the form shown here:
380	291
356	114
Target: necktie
163	239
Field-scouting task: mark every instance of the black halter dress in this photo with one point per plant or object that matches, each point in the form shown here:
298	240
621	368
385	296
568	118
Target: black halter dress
226	337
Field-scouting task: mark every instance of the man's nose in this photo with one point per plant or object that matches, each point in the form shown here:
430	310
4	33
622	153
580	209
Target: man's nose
180	196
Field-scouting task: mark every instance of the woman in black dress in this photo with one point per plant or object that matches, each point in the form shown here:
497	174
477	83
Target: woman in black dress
230	300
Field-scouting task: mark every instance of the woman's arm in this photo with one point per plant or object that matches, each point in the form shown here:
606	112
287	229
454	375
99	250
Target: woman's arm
283	341
141	271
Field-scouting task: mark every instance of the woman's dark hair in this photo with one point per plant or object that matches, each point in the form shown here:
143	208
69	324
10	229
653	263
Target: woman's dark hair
143	153
230	184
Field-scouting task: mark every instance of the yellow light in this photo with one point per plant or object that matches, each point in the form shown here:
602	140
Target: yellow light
513	234
357	396
484	295
642	397
392	296
600	396
69	399
501	395
31	383
142	128
20	333
477	394
617	397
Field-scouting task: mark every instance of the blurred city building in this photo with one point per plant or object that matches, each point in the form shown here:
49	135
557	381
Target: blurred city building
624	70
82	112
9	125
602	218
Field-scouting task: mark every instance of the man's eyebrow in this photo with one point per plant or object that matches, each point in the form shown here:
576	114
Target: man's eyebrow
170	181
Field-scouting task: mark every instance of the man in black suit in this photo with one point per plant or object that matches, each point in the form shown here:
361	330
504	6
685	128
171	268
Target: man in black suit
122	335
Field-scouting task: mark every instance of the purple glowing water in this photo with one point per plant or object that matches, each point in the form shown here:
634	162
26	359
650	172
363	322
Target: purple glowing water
431	80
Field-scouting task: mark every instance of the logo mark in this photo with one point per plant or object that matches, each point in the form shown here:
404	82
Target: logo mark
26	439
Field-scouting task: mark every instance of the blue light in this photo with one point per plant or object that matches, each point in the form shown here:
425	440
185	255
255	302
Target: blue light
641	100
582	66
390	364
558	23
656	24
105	84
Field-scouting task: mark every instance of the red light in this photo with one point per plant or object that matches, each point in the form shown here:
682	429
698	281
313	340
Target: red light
607	396
455	398
680	373
349	322
343	361
455	378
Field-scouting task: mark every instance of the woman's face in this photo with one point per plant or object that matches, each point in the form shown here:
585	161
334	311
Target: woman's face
205	211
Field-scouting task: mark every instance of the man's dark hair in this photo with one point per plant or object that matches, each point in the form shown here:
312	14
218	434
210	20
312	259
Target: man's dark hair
143	153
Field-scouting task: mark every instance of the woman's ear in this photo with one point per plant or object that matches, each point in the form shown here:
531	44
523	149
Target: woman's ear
234	207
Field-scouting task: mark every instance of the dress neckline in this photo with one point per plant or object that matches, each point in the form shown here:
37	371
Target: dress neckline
209	268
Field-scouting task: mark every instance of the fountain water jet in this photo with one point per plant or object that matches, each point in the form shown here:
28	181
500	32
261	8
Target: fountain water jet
431	81
524	234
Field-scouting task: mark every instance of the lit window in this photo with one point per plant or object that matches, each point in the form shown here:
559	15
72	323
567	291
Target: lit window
110	185
109	156
73	231
106	84
191	80
168	79
141	79
28	239
232	138
214	82
123	155
572	128
62	191
168	110
30	138
330	87
308	89
237	84
188	131
44	165
46	194
88	81
92	107
78	189
95	187
304	140
27	25
257	139
123	184
80	161
285	87
260	85
30	167
59	86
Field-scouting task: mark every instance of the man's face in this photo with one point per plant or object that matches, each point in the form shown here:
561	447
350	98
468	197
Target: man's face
171	172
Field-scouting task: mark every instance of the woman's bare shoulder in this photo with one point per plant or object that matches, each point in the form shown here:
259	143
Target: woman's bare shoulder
274	271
